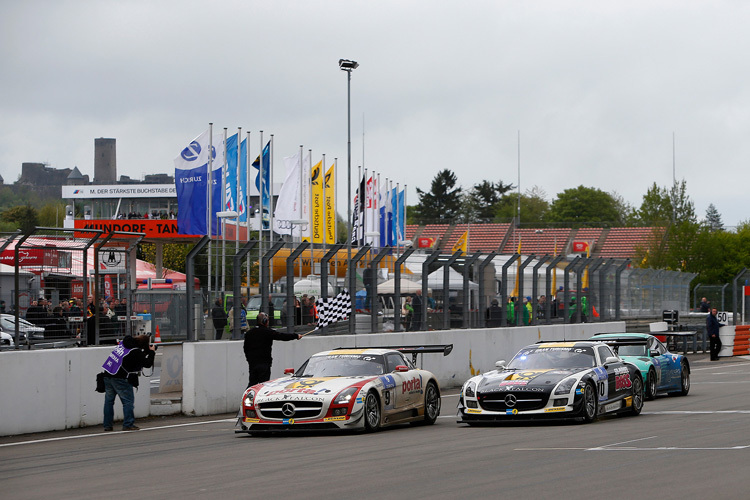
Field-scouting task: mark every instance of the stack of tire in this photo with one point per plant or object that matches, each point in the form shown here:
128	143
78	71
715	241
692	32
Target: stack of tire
741	340
726	335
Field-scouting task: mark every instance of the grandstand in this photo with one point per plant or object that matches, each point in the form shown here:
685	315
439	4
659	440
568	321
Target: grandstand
616	242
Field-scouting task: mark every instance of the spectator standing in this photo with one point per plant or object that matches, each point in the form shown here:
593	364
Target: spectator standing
712	330
2	307
510	311
121	371
407	314
243	318
91	322
705	305
493	314
57	328
258	347
541	307
219	320
417	304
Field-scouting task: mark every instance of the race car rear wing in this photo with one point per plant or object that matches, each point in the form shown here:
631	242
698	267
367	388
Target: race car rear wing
414	350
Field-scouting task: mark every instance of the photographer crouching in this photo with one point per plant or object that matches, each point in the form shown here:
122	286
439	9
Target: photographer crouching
121	371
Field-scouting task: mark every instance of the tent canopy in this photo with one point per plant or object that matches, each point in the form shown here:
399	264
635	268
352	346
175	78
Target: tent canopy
455	280
407	286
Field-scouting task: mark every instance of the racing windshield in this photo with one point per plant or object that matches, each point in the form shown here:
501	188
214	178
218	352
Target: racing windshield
343	365
632	350
539	358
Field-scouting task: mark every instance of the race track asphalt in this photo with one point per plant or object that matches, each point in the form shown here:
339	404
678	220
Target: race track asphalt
679	447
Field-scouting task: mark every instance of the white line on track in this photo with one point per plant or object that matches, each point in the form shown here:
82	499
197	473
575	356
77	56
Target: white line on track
734	365
104	434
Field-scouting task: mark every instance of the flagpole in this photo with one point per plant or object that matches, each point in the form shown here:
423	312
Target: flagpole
247	206
260	202
325	208
224	172
270	199
237	192
309	212
209	186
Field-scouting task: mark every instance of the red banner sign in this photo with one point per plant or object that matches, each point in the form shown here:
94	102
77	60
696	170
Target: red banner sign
154	228
580	246
425	242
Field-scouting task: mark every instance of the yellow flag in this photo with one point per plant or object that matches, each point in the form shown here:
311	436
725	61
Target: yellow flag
461	244
585	277
330	205
554	276
317	213
518	271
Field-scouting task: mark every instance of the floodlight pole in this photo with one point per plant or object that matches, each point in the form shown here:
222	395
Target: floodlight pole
349	66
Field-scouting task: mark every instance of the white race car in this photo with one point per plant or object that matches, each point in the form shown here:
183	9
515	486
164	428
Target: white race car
346	388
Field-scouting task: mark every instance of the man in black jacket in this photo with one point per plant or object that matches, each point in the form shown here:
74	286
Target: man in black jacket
219	319
258	346
712	330
121	371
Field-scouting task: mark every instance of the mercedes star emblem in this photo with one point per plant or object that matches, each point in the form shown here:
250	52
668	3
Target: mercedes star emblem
288	409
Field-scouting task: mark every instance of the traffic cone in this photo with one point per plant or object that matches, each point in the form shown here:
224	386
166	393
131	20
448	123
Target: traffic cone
157	339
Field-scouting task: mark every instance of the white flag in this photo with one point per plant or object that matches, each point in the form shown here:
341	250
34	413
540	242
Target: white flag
287	205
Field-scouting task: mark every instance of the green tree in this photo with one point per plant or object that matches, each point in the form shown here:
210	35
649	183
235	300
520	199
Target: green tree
52	215
713	219
480	204
534	208
584	206
442	203
661	206
24	217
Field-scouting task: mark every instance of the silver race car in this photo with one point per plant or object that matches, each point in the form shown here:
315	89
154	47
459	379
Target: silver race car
346	388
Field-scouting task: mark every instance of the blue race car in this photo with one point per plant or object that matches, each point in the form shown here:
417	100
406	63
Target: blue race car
663	372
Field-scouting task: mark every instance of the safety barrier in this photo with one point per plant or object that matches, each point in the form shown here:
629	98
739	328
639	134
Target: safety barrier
741	340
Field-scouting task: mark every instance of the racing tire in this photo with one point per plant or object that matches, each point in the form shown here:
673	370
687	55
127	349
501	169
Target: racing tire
684	379
590	403
372	412
651	385
431	403
638	393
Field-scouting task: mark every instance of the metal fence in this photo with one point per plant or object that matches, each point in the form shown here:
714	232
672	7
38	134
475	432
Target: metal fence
63	284
446	291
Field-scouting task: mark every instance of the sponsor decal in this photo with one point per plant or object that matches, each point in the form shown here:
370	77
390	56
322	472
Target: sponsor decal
510	383
412	385
252	420
388	381
511	412
154	228
611	407
334	419
299	390
527	375
296	397
622	382
288	421
558	344
346	352
554	409
360	399
473	410
523	387
581	390
601	373
308	382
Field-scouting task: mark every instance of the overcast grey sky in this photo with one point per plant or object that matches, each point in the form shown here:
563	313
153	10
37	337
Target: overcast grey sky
596	88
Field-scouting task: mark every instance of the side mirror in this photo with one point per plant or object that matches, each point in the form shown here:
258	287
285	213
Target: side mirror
653	353
500	364
611	359
402	368
289	371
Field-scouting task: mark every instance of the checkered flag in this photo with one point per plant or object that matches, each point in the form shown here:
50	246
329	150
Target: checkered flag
333	309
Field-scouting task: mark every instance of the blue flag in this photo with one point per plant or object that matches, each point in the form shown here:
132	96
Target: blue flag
191	184
233	201
265	198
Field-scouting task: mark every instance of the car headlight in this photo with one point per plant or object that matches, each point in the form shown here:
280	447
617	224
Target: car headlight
249	398
344	397
565	386
470	390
